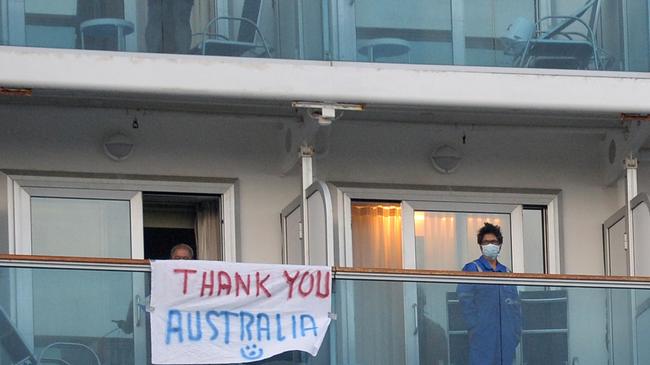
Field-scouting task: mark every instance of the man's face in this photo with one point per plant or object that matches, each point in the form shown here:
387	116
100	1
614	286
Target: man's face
490	238
181	254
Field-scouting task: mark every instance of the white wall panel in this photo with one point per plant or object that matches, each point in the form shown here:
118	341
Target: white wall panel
209	145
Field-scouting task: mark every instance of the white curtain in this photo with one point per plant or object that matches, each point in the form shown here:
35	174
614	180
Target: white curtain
208	235
377	235
447	240
435	239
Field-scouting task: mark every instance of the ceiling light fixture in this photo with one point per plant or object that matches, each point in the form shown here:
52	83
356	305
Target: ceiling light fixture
118	147
446	159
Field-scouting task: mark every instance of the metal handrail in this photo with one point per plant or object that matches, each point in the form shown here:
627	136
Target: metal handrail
74	262
352	273
456	277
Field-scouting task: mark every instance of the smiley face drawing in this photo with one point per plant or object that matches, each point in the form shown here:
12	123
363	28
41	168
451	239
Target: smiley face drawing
251	352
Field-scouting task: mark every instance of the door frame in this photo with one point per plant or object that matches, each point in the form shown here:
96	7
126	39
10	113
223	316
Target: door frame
320	187
346	192
317	187
21	182
515	212
621	213
610	222
289	210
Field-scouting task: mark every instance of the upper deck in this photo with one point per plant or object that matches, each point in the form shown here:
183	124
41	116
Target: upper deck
579	35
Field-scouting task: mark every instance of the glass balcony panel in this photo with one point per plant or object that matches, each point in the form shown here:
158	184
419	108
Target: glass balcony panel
378	321
529	324
74	315
642	301
556	34
485	22
417	31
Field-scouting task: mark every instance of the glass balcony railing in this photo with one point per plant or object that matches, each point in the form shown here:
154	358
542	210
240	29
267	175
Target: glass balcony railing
603	35
80	313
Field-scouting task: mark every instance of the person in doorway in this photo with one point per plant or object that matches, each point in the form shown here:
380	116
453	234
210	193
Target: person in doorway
181	251
168	26
492	312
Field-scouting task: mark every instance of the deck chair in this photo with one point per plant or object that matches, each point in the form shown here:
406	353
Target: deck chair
13	344
248	39
19	353
571	44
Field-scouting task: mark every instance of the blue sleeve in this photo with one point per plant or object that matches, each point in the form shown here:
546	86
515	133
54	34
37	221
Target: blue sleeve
467	297
470	267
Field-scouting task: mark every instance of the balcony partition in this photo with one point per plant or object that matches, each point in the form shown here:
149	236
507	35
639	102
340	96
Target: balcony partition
81	311
597	35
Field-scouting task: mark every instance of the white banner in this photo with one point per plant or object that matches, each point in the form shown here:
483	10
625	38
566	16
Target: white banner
211	312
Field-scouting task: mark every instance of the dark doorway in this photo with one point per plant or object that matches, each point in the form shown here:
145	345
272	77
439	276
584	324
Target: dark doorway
173	218
158	242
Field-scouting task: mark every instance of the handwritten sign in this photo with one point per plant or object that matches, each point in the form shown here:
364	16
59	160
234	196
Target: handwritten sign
209	312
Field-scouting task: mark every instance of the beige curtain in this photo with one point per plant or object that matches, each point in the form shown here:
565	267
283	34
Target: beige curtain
206	228
377	235
377	242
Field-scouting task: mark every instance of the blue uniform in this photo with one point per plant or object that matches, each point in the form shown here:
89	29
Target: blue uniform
493	317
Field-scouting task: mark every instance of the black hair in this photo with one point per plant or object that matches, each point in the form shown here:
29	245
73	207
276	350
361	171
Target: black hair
487	229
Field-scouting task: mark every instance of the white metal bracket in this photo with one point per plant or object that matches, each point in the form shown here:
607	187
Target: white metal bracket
631	191
621	144
311	129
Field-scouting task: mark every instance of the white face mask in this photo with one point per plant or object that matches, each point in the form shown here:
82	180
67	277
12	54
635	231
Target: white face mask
491	250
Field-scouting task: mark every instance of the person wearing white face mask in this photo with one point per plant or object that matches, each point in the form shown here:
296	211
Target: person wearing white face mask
492	313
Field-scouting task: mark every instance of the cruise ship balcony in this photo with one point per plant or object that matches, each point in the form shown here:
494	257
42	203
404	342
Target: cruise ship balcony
67	310
591	35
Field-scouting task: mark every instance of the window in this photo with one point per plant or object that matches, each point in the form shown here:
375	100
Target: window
535	238
64	226
77	222
442	239
446	240
437	230
88	215
377	234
